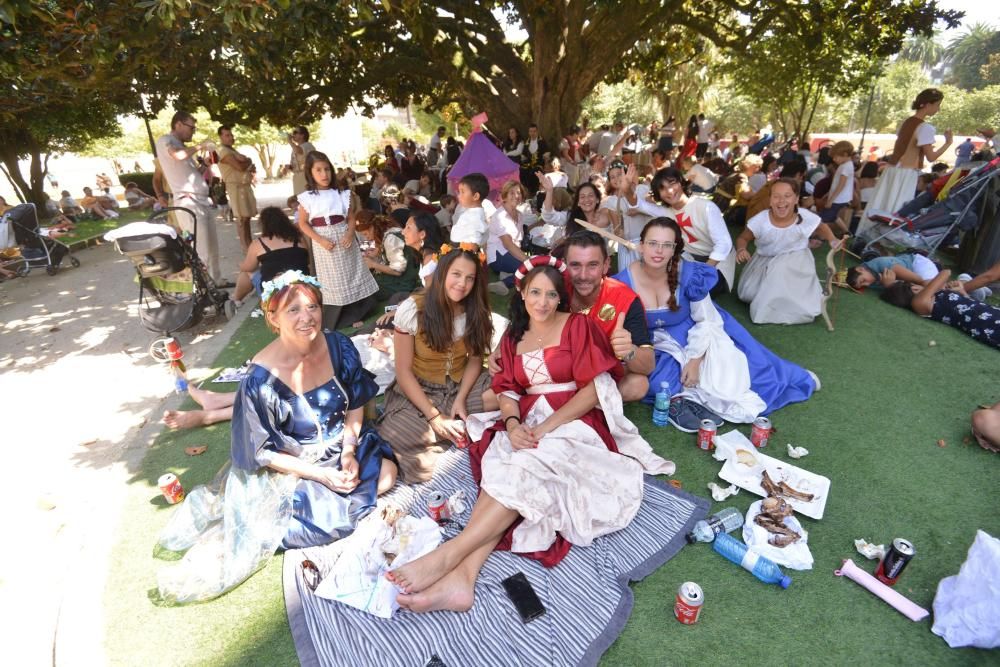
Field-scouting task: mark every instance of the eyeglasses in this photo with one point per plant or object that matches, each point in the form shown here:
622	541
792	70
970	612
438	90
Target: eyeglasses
310	574
656	245
191	125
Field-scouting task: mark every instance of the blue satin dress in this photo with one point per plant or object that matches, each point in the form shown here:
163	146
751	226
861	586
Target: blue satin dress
268	418
777	381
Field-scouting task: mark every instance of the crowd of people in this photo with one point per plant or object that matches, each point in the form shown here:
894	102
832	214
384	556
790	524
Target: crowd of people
537	397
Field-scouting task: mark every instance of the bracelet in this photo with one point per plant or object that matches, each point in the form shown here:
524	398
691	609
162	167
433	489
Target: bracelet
509	418
430	419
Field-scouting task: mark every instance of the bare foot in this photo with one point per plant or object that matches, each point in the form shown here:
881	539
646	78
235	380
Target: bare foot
358	324
179	419
418	575
453	592
210	400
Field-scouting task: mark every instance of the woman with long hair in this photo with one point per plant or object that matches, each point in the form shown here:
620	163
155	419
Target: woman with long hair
712	367
441	337
513	145
279	248
559	465
305	468
914	144
690	147
328	216
586	206
397	256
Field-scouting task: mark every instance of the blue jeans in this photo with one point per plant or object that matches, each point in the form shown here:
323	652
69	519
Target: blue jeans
256	282
506	263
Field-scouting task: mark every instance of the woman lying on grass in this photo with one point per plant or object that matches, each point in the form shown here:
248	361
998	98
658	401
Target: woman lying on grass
979	320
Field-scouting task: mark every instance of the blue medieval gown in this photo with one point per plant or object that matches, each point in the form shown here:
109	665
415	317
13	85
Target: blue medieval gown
740	379
229	530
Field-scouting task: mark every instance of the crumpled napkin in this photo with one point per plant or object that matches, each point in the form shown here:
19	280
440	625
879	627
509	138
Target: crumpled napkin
357	576
719	493
797	452
870	551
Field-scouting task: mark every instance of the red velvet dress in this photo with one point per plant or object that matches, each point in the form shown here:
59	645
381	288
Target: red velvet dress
582	354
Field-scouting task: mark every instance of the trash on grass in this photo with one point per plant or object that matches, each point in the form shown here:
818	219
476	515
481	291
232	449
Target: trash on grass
870	551
797	452
719	493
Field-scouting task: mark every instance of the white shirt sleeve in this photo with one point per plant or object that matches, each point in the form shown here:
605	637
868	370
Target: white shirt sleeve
925	134
655	210
406	317
722	242
554	217
394	255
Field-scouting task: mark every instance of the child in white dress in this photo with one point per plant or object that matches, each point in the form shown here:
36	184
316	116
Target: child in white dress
780	282
327	216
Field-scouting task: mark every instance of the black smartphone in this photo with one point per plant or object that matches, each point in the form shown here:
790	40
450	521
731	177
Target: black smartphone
435	662
523	596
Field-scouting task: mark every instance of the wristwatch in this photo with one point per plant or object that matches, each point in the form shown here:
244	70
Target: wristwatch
630	356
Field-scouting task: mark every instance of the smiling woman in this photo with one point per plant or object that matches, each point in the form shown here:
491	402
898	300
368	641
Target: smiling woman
305	469
440	340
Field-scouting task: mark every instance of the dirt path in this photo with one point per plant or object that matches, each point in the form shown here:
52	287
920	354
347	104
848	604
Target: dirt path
81	401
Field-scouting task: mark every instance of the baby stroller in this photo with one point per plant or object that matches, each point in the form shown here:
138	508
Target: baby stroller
175	290
38	249
925	223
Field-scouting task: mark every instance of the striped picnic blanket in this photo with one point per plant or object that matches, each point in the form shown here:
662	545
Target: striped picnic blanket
586	597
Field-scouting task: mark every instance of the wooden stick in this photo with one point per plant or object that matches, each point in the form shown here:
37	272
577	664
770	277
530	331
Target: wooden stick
606	234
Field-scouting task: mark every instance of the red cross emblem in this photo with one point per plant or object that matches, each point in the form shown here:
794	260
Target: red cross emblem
683	221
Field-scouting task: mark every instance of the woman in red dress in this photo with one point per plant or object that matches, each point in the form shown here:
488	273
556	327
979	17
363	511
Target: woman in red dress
558	465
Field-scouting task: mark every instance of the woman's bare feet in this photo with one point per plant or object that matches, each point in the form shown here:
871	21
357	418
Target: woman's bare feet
454	592
418	575
178	419
211	400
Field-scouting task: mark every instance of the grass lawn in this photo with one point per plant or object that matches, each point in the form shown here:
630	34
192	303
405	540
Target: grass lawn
888	397
87	230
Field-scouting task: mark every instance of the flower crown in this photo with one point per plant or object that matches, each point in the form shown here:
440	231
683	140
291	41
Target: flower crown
468	247
539	260
282	281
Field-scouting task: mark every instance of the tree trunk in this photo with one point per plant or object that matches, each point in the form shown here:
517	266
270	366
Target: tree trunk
266	155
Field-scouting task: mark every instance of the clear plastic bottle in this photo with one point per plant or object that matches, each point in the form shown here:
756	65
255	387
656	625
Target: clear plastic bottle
661	405
725	521
739	553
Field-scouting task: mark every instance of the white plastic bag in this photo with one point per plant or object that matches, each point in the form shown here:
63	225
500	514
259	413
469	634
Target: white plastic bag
967	605
795	556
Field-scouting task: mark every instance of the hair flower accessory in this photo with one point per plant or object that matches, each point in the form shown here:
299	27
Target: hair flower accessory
467	247
282	281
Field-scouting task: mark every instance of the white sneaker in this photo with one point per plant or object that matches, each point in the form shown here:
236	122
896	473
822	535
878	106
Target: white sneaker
498	288
815	378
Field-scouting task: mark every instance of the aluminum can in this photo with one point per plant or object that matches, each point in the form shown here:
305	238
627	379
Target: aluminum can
761	432
463	440
437	507
174	351
706	435
900	553
171	488
689	602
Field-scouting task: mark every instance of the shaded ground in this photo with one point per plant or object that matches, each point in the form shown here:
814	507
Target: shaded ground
77	388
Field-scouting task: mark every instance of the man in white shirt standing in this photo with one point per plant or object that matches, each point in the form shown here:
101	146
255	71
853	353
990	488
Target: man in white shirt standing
434	147
705	129
190	190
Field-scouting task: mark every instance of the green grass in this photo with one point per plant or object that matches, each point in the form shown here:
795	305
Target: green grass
887	398
87	230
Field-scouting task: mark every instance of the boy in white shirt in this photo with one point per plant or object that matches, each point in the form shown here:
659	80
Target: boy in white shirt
842	191
445	215
470	226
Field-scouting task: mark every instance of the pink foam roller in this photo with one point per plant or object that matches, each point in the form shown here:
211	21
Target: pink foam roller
901	604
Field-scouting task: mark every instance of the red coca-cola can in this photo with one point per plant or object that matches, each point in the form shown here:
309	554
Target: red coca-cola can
437	507
462	441
174	351
689	602
896	558
706	434
171	488
761	432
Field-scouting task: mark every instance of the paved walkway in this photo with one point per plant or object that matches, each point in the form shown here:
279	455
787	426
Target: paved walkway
81	402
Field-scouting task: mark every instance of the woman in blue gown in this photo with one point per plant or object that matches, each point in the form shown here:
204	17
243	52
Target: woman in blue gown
305	469
702	353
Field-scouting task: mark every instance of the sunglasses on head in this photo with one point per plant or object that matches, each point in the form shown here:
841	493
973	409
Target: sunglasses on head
310	574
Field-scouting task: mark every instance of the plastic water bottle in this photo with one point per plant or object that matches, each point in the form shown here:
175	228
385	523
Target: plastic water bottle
726	521
180	376
739	553
661	405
